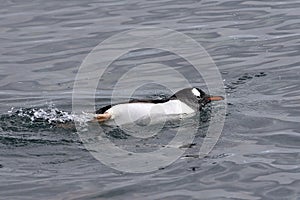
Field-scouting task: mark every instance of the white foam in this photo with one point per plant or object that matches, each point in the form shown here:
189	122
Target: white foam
52	115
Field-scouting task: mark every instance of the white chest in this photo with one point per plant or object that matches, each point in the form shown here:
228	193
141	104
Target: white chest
130	112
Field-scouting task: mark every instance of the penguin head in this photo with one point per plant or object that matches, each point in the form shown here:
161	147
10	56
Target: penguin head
200	96
195	97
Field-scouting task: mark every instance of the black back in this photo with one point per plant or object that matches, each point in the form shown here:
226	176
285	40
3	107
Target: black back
105	108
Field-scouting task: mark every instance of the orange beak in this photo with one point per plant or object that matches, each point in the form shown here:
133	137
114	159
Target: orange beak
215	98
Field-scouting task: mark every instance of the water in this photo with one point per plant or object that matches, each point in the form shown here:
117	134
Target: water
255	45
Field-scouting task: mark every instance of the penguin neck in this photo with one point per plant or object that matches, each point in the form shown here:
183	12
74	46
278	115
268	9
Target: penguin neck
189	102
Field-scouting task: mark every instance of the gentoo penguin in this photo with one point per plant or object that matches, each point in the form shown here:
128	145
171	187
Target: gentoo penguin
184	102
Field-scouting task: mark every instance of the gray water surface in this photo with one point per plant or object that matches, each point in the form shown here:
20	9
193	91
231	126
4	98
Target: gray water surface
255	45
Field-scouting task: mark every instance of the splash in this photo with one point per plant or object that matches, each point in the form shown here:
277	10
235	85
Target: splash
50	115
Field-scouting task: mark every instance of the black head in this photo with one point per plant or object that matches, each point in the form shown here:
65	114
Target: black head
195	97
201	96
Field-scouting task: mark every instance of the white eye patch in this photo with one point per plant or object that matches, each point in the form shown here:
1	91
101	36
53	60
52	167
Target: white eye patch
196	92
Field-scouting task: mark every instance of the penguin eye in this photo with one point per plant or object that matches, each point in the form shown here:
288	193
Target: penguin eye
202	94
